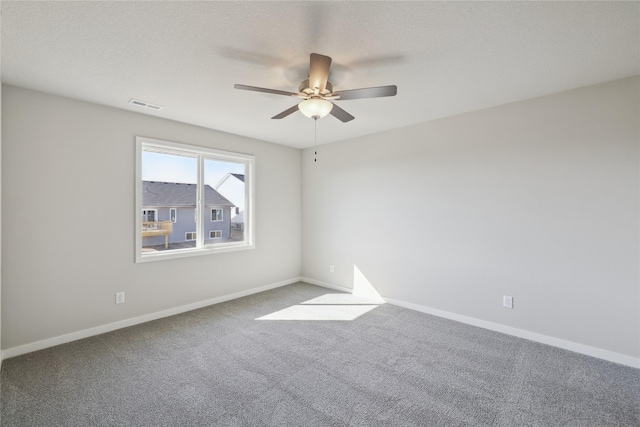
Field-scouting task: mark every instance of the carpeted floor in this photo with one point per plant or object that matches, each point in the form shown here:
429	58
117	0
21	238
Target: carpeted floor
237	364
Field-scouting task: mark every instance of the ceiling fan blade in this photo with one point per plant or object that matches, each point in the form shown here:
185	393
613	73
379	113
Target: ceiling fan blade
340	114
319	71
261	89
286	112
369	92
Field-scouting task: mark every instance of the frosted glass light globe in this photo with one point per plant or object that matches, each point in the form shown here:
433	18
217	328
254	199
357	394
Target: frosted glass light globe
315	108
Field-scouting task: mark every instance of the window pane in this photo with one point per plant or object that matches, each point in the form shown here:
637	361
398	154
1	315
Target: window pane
225	198
149	215
216	214
168	186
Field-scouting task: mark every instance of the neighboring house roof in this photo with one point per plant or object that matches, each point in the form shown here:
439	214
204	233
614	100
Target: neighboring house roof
238	218
238	176
174	194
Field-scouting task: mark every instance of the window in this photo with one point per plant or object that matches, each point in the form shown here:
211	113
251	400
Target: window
177	177
216	214
149	215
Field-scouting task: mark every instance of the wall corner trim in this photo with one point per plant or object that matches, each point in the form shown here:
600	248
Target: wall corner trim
86	333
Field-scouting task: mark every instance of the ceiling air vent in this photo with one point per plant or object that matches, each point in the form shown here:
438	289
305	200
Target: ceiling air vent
145	104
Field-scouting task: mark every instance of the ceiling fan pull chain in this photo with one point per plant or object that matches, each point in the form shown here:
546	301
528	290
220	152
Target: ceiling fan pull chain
315	138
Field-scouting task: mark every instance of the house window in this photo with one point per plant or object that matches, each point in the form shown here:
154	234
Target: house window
171	174
149	215
216	214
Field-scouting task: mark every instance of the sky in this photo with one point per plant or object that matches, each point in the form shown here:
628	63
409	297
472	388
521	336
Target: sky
172	168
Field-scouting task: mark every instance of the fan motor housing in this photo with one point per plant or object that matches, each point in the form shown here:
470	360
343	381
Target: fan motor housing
304	88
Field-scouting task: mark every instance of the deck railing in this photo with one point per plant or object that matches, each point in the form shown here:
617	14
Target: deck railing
157	228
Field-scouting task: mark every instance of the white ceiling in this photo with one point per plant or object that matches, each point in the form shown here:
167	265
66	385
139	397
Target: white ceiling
445	57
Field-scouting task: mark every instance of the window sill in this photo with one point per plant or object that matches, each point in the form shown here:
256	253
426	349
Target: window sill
184	253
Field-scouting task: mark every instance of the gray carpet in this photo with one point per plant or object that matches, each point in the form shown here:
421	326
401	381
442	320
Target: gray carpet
220	366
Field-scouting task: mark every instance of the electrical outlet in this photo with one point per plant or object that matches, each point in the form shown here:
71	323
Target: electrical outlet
119	297
507	301
331	268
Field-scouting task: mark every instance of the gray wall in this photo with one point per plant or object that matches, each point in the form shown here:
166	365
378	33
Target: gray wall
61	271
535	199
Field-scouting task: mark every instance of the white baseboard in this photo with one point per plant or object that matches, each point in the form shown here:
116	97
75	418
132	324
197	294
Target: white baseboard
74	336
326	285
521	333
544	339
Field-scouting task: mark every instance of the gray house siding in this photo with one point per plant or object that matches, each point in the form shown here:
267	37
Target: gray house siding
186	223
224	226
183	195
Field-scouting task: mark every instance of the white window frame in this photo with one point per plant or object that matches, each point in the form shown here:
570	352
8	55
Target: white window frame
221	214
216	232
186	236
200	153
175	216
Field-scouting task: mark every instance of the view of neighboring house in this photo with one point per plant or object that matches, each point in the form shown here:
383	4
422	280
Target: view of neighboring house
169	213
232	187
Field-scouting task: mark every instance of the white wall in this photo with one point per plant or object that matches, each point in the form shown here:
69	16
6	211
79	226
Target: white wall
536	199
0	220
68	219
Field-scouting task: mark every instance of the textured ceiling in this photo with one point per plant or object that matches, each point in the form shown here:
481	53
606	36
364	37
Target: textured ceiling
445	57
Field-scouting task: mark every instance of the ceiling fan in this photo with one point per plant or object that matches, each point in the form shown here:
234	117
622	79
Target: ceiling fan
317	93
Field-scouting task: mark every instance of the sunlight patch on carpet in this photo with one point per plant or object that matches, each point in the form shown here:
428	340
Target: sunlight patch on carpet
326	307
332	306
319	312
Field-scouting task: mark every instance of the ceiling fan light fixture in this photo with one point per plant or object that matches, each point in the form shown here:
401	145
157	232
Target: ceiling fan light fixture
315	108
